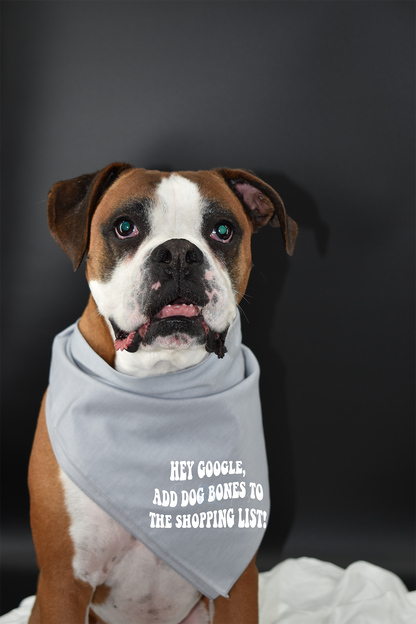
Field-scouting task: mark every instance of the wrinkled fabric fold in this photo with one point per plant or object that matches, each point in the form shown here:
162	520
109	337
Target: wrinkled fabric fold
309	591
129	444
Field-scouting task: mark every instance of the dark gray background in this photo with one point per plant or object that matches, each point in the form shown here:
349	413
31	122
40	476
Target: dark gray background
316	98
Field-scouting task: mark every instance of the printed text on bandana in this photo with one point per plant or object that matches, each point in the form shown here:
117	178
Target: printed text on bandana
230	485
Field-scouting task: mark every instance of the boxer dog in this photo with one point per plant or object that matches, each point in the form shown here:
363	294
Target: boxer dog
167	261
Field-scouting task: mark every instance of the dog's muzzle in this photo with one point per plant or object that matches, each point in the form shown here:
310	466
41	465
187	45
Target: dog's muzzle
176	293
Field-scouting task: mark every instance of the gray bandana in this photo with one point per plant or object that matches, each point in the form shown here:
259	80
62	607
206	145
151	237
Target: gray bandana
178	459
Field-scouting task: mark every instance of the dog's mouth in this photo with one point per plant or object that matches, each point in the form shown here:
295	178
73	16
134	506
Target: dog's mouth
181	317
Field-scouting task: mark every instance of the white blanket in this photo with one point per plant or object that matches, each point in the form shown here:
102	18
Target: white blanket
308	591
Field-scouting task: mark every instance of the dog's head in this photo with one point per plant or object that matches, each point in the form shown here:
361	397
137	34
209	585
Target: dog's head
168	254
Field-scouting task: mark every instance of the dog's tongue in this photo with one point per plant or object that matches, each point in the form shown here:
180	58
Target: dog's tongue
178	309
123	340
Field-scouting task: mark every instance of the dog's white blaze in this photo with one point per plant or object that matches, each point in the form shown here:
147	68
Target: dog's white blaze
178	210
140	583
177	213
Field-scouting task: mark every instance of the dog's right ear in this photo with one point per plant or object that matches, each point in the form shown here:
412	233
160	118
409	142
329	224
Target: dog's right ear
261	203
71	205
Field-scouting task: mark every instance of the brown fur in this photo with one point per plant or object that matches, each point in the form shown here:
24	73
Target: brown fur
95	331
101	594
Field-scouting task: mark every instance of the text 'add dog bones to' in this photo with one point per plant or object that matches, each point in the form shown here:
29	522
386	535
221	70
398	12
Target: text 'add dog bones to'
216	518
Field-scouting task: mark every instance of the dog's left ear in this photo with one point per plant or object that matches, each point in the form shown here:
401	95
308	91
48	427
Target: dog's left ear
71	205
261	203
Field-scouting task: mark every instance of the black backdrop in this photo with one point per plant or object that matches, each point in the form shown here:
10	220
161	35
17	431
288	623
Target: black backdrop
316	98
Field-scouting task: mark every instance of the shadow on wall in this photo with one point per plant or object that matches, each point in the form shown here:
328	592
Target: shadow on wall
260	313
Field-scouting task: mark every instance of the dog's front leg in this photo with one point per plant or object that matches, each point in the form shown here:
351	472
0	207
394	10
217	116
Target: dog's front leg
60	597
55	603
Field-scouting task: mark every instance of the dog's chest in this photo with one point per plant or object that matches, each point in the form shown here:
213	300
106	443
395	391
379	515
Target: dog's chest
135	584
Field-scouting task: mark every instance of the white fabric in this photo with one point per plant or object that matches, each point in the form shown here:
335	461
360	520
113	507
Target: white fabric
308	591
21	614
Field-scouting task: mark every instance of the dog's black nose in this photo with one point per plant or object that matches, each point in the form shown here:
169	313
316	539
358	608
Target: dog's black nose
177	254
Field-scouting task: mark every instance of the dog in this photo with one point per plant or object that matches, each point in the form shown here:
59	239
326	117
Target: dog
167	261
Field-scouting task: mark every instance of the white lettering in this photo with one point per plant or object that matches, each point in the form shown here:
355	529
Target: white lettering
183	471
201	470
157	500
192	497
219	492
259	492
211	493
174	471
190	464
222	518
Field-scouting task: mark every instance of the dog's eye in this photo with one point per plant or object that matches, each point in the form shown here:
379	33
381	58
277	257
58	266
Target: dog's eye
126	229
222	232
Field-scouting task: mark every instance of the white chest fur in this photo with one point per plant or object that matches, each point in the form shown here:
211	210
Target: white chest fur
142	588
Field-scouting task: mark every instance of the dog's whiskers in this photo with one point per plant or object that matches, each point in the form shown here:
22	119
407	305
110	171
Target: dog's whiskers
241	310
92	318
243	295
